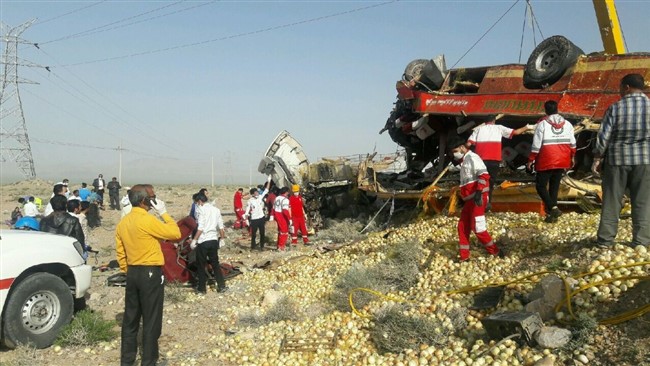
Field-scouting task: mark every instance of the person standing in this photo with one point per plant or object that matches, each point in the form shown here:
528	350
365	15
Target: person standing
100	184
75	196
255	210
474	189
138	253
59	189
114	193
298	216
553	152
282	215
487	141
209	235
126	204
238	205
623	142
84	192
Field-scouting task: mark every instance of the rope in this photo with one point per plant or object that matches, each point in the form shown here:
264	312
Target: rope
485	34
523	31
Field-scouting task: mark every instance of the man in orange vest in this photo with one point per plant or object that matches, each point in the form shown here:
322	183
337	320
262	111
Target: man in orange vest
298	216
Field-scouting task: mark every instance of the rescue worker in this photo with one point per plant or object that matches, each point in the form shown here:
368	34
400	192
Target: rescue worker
238	205
487	141
255	210
474	189
298	216
553	151
282	215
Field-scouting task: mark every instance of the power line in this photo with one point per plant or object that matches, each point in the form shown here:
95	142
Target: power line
100	28
238	35
112	102
91	32
485	34
70	12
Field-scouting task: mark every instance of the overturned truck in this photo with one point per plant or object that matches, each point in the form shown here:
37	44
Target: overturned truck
435	104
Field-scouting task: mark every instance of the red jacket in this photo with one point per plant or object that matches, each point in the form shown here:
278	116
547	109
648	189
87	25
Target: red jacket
238	200
473	176
554	144
297	207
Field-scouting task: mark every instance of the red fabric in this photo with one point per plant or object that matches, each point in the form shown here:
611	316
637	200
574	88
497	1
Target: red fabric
237	200
482	184
553	157
240	222
296	204
270	201
467	225
489	150
299	224
283	231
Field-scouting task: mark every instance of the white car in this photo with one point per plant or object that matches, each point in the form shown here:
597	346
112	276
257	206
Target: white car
41	277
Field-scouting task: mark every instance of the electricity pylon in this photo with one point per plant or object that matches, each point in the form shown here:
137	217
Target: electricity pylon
14	142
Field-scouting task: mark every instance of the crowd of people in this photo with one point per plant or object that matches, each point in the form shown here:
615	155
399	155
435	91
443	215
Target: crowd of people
67	212
621	156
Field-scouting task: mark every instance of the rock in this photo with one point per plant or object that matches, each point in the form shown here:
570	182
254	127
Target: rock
553	337
546	361
271	297
546	295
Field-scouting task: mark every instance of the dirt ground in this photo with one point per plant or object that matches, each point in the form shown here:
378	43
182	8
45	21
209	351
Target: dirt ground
204	330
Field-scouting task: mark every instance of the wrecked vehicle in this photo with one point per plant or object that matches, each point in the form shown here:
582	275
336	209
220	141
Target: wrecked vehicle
329	186
435	104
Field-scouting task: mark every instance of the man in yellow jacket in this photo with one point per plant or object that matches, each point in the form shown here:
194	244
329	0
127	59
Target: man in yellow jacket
138	253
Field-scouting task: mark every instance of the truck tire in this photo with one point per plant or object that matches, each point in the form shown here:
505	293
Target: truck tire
548	62
421	70
38	307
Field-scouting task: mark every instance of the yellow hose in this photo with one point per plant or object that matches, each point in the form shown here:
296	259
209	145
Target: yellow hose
631	314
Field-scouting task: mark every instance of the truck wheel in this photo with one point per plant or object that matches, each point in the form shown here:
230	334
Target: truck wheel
422	70
37	309
548	62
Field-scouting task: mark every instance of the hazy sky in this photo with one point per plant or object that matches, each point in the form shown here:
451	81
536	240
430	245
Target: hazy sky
221	79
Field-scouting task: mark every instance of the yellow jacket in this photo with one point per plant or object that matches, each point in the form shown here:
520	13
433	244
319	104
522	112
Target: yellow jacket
137	238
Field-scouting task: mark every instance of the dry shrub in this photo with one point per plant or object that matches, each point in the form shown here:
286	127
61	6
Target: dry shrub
24	355
583	329
175	292
357	276
283	310
395	332
399	271
341	231
87	328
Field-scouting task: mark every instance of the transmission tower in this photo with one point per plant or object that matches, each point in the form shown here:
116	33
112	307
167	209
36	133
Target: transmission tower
14	142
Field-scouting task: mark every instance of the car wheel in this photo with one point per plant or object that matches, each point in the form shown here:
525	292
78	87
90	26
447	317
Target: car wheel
38	307
548	62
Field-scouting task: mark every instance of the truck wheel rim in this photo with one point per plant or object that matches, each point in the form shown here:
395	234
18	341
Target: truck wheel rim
40	312
547	59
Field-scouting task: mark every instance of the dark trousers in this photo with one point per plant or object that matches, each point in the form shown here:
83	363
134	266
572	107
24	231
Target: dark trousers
257	224
145	293
115	200
548	186
208	252
616	179
493	170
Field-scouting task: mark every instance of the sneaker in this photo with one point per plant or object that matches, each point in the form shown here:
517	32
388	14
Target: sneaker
199	292
222	289
550	219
